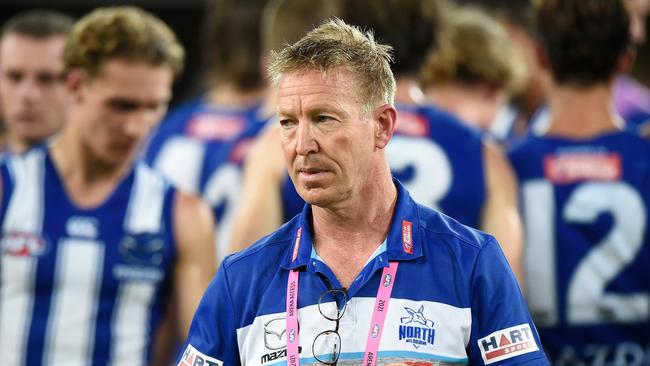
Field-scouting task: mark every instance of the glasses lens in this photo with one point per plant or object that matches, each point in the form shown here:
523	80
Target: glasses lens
332	304
327	347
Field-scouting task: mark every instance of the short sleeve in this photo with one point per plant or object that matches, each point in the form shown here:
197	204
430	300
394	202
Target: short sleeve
503	332
213	335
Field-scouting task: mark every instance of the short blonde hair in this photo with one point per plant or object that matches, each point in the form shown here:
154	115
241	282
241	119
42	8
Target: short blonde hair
121	32
475	48
336	44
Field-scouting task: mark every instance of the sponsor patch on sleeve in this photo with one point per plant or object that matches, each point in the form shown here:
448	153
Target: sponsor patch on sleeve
192	357
507	343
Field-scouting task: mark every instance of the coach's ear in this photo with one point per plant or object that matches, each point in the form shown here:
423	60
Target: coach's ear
385	118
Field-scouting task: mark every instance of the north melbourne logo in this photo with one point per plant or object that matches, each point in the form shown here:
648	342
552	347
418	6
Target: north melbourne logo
416	328
507	343
143	249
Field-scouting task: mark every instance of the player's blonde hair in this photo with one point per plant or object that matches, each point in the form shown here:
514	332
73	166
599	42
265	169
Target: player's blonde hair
475	48
336	44
121	32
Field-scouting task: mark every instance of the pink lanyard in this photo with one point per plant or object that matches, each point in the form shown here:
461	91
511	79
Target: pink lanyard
376	324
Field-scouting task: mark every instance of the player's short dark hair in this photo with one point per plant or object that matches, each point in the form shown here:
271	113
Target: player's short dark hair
514	12
38	23
284	22
583	38
231	43
409	26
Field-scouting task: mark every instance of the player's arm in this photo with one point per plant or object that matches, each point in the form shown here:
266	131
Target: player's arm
195	266
259	211
1	188
500	216
166	337
212	339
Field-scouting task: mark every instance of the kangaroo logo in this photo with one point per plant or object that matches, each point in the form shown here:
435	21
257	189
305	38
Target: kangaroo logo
416	328
416	317
143	249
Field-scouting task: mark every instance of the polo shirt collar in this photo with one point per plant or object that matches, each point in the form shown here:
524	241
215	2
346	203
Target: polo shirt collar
404	238
402	243
299	251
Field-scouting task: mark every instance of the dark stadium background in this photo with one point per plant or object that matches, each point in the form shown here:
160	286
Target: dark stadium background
186	16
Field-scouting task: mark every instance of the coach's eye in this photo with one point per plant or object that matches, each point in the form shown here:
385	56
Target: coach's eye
287	123
324	118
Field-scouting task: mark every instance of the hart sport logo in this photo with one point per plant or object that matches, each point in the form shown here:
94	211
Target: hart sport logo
192	357
507	343
416	328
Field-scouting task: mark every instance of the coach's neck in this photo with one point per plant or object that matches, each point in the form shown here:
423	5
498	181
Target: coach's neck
346	235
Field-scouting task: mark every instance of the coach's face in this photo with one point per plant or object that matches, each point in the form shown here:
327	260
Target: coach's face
329	144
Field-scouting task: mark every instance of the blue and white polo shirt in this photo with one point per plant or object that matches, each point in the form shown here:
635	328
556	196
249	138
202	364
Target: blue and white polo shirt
454	301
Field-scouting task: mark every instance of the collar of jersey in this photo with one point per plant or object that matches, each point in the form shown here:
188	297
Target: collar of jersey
405	210
380	249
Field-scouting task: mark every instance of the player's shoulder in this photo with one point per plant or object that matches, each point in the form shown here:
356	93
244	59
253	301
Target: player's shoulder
633	139
269	251
440	229
449	122
177	118
525	146
150	186
174	123
145	173
21	170
532	142
183	110
30	159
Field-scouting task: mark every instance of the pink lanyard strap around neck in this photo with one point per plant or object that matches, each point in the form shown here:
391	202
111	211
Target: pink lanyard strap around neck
379	313
376	324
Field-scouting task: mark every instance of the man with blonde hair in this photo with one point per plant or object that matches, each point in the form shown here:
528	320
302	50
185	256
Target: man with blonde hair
363	273
94	246
444	164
